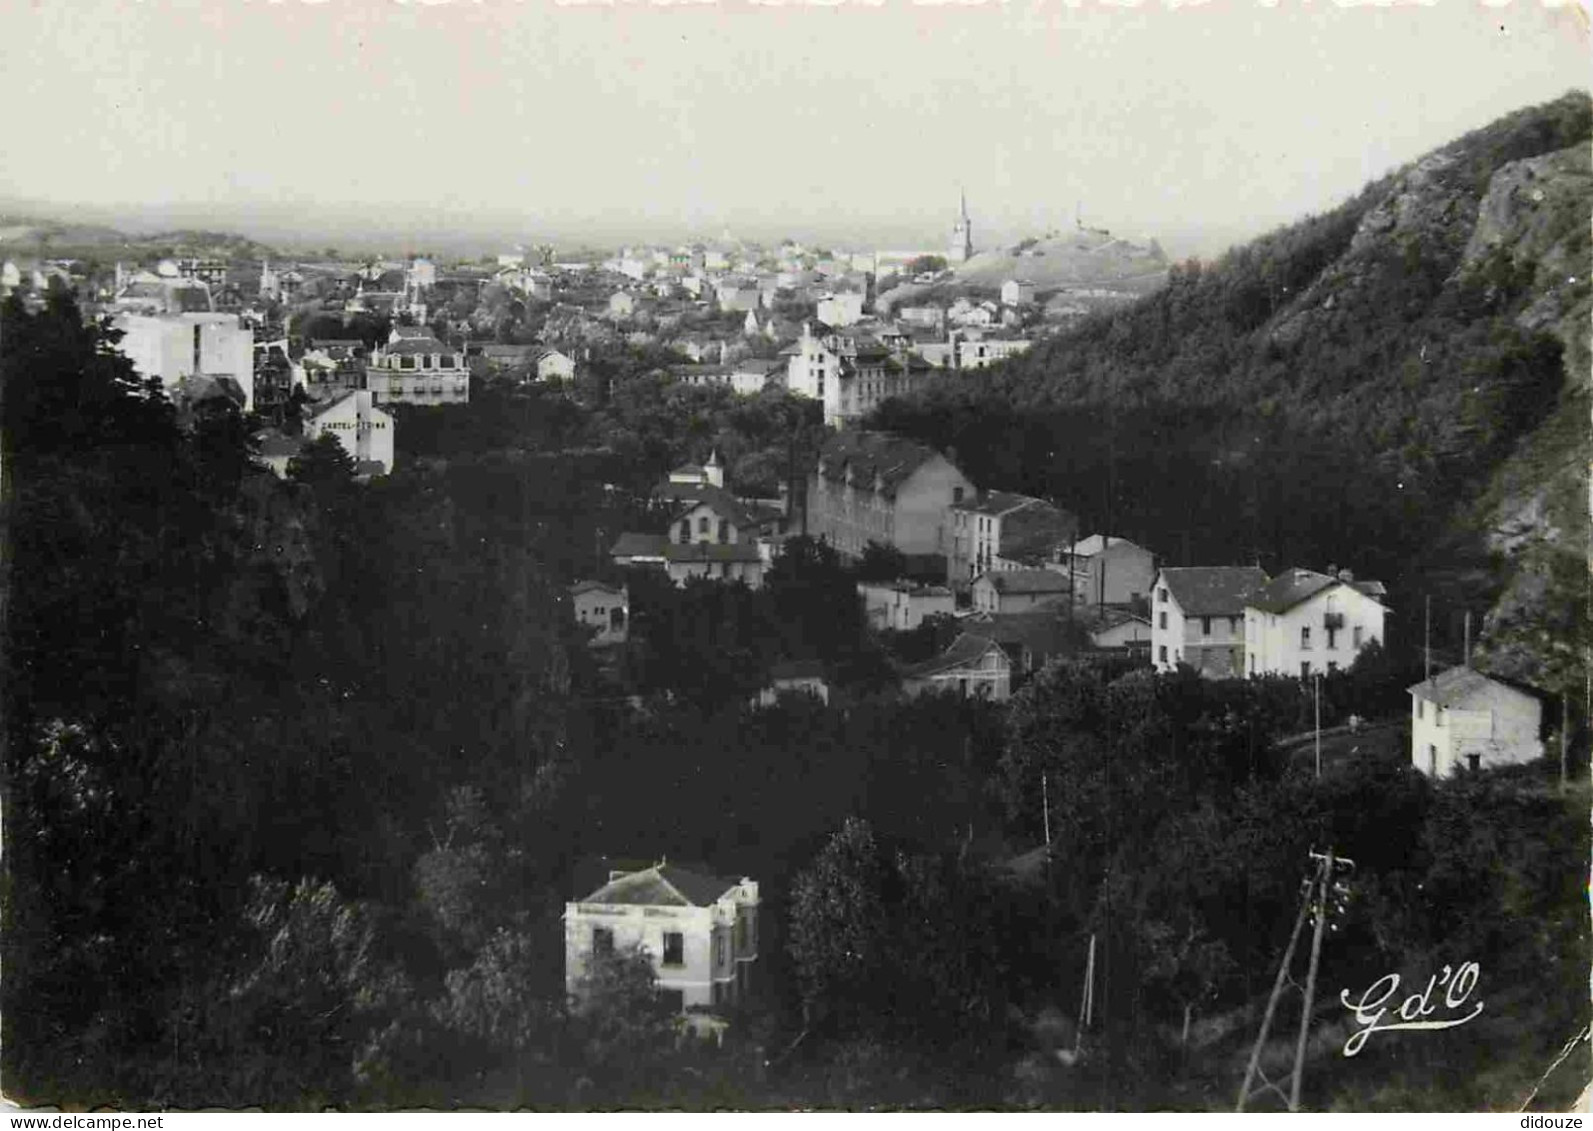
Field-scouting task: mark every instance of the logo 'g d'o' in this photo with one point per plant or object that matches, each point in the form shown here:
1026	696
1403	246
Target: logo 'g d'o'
1373	1004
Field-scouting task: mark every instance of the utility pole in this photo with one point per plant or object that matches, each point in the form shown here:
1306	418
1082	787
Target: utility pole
1087	1002
1321	894
1427	642
1467	653
1045	802
1316	687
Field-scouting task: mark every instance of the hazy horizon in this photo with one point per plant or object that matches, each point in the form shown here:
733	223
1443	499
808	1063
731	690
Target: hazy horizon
464	127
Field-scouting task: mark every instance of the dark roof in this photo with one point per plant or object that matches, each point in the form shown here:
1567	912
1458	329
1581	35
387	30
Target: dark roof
276	444
964	650
996	503
589	586
1029	581
1036	530
711	552
1212	591
418	345
1044	632
797	669
689	495
892	457
1458	685
1292	586
662	885
633	545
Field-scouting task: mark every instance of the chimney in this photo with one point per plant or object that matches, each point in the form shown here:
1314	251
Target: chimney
1346	576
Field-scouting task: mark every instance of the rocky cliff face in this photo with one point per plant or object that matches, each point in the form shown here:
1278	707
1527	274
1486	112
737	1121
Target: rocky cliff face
1535	217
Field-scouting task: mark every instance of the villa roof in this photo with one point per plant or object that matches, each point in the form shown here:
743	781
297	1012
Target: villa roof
1293	586
967	649
590	586
1095	543
662	885
1459	685
1029	581
1213	590
711	552
406	346
636	545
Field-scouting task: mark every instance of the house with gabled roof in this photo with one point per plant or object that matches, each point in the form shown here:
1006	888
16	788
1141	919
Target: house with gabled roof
711	534
974	666
1108	570
1019	590
1465	719
1304	623
1000	530
700	931
1198	618
418	370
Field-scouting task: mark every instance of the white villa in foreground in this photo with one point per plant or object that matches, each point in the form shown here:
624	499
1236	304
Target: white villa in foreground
700	931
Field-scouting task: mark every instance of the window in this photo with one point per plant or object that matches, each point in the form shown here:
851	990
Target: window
1473	762
1421	709
1205	626
602	940
1305	669
1161	620
1161	594
1356	636
1432	760
724	530
1305	636
1333	635
1332	666
702	524
719	993
719	948
1233	625
1161	652
685	531
674	948
1252	665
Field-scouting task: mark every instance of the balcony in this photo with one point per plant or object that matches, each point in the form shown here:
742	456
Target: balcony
1332	621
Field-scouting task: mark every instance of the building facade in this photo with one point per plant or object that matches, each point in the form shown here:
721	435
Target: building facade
974	666
178	347
700	932
1305	623
878	487
365	431
1198	618
1462	719
604	609
419	371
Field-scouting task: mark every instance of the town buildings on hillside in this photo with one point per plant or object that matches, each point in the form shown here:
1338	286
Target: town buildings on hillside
190	352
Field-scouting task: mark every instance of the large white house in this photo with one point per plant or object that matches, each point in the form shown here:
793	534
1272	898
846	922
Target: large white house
177	348
1463	718
700	932
1304	623
850	374
1198	618
418	370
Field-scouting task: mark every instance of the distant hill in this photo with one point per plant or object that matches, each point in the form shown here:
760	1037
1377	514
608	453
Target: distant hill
36	236
1086	257
1399	385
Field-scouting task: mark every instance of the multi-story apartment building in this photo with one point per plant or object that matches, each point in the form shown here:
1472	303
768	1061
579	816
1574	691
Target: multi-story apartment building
850	374
176	348
878	487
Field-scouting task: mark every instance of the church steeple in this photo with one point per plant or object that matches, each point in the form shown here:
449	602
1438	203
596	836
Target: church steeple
960	249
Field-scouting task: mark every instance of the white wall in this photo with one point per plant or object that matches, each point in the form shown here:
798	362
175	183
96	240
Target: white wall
1274	642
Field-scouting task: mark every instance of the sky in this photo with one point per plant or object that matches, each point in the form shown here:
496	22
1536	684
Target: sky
1199	124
